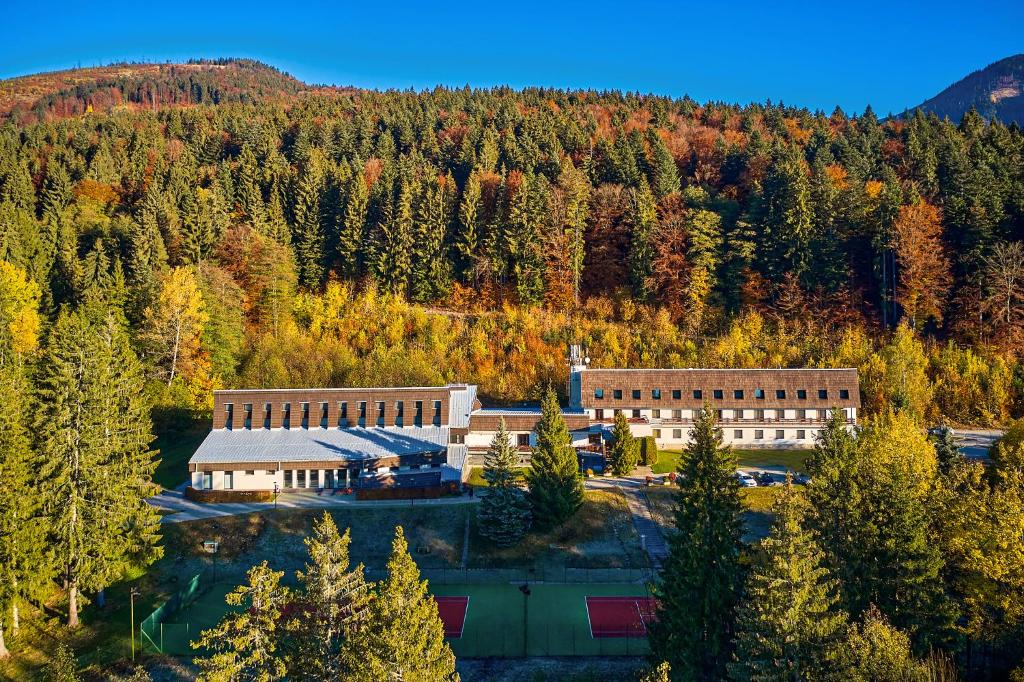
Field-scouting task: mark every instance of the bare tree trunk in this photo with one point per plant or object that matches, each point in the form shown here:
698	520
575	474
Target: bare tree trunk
15	618
73	603
4	653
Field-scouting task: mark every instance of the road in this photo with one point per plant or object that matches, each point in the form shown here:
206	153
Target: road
975	443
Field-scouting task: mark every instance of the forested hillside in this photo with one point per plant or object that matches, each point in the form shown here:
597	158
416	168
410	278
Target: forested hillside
319	237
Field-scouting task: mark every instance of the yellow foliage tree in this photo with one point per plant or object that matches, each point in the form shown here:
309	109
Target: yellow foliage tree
173	326
19	312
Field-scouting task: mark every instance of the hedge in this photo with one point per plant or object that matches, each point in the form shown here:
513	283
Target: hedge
206	496
422	493
648	451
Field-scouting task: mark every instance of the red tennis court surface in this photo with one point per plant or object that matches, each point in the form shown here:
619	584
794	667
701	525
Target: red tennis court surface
453	614
620	616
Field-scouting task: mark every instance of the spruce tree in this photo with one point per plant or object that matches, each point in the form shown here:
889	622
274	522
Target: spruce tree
334	604
504	512
94	432
787	628
403	636
556	487
244	645
625	452
350	239
701	578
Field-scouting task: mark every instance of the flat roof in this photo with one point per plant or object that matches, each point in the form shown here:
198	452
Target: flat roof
357	389
719	369
223	446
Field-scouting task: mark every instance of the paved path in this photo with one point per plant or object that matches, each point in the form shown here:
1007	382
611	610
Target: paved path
186	510
975	443
632	489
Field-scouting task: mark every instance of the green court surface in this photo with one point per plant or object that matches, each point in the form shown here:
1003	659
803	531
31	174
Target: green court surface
555	616
553	621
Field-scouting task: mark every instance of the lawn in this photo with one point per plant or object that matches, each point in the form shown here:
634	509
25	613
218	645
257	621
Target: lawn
776	460
476	476
757	503
176	447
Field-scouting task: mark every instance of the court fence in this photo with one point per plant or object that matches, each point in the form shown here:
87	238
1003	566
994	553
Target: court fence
549	575
170	628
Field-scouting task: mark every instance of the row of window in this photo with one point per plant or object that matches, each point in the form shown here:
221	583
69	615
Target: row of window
343	414
739	434
302	478
719	394
759	414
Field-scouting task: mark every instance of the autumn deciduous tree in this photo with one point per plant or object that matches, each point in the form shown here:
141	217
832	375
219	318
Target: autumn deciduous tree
922	266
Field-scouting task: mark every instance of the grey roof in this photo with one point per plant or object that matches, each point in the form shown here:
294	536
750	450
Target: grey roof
308	445
523	409
460	404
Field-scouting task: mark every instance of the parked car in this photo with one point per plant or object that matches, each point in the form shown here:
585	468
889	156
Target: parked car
801	479
746	480
765	478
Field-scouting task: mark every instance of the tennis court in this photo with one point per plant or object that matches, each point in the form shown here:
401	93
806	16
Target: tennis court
620	616
453	614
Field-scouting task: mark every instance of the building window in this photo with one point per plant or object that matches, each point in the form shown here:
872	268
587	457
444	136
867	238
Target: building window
759	393
288	478
738	394
655	414
247	411
300	481
314	478
305	415
286	415
267	411
457	438
719	414
822	394
656	433
362	413
636	394
801	394
636	414
229	480
801	434
380	413
270	472
207	480
399	413
656	394
698	394
437	413
677	394
323	415
617	394
229	413
758	434
677	414
677	433
718	394
342	414
598	414
780	394
780	435
598	394
738	434
523	440
417	419
844	394
616	412
250	473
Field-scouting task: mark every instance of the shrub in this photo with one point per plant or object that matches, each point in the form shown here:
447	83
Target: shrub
208	496
648	451
427	493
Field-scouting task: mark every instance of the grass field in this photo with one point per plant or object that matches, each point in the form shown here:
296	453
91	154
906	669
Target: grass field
757	503
776	460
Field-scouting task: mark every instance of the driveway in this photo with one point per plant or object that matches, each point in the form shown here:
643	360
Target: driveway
975	443
183	509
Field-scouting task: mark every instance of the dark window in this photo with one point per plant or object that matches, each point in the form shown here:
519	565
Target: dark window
844	394
823	394
207	480
718	394
677	394
636	414
616	412
247	408
801	394
758	434
288	478
229	413
738	394
759	393
301	475
305	415
598	394
780	394
780	435
656	393
417	418
801	434
362	413
314	478
698	394
523	440
229	480
323	415
399	413
286	415
342	414
267	411
617	394
380	413
437	413
636	394
737	433
598	415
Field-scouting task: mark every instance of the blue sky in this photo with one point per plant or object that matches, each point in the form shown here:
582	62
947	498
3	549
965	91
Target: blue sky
888	54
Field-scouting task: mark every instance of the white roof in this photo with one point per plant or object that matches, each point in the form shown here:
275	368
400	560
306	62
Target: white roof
307	445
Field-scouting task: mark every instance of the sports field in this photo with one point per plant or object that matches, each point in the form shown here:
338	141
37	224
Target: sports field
485	620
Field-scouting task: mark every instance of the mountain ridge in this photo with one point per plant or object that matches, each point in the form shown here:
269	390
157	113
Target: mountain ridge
995	91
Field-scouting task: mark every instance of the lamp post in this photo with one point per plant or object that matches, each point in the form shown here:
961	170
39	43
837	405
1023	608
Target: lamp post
525	589
275	495
132	594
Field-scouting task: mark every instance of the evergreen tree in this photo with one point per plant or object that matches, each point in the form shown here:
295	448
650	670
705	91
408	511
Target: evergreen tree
702	576
309	234
334	604
468	235
947	451
556	487
625	453
787	628
643	218
504	512
350	240
244	645
403	636
787	216
431	265
94	432
665	178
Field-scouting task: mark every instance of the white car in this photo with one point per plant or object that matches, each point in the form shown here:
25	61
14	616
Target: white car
746	480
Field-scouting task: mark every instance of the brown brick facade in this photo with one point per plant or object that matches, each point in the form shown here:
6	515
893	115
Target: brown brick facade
487	421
